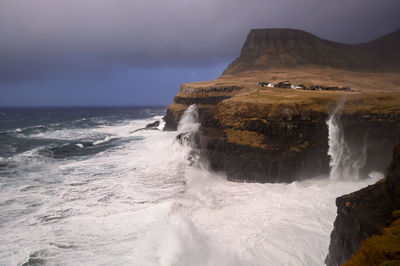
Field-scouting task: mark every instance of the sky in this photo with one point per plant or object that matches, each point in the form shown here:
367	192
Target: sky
138	52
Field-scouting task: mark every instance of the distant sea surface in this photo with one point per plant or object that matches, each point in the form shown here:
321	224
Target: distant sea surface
80	186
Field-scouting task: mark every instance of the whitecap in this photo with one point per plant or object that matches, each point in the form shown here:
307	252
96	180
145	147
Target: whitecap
106	139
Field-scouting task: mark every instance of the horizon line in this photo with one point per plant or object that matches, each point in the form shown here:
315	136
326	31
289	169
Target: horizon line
78	106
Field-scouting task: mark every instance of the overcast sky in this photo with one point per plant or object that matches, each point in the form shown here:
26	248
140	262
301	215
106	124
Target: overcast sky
137	52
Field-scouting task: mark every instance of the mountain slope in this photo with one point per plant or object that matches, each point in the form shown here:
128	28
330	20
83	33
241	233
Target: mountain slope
266	48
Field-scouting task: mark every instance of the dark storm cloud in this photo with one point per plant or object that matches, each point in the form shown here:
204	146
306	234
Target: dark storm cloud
44	38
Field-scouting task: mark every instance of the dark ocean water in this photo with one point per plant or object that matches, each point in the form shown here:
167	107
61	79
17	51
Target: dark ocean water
21	128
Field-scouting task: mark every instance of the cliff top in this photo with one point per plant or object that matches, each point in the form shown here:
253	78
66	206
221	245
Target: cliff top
371	70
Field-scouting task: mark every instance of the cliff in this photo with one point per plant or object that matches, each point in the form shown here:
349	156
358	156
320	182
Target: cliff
266	134
367	215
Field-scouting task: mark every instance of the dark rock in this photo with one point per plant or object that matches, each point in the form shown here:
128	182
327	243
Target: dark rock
364	213
200	100
153	125
183	138
171	120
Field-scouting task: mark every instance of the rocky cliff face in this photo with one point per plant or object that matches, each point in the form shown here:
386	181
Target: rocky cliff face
266	48
280	141
364	213
267	143
256	144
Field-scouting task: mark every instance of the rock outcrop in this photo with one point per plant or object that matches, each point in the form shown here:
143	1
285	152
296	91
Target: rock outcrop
364	213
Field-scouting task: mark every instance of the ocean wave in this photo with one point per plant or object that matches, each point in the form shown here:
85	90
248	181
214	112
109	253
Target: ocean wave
106	139
32	130
81	148
7	165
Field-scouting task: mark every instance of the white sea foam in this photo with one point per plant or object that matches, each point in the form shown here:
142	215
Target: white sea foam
162	122
143	204
106	139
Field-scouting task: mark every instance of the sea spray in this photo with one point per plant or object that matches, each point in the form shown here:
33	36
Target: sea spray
190	120
175	239
344	163
140	203
188	127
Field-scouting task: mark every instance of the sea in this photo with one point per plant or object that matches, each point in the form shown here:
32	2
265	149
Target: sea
84	186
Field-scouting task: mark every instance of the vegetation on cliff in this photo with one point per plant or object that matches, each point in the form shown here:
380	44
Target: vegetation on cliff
381	249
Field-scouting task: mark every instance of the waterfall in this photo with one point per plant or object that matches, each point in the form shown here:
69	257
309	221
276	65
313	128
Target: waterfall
338	149
189	123
344	163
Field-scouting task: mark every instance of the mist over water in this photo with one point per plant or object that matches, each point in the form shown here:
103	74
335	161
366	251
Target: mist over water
124	198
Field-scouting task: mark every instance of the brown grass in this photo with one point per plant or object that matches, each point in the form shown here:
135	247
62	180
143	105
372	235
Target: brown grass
245	137
382	249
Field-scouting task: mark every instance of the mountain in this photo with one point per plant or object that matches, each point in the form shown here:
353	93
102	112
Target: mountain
266	48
